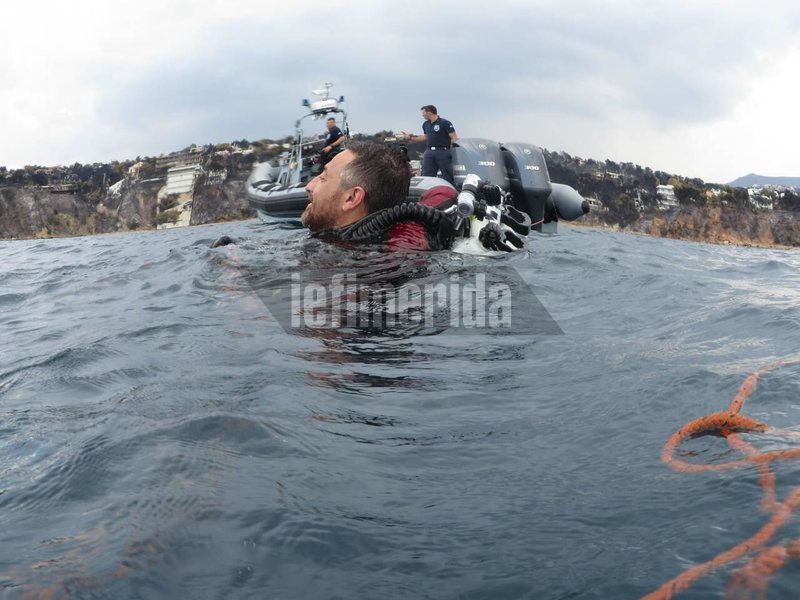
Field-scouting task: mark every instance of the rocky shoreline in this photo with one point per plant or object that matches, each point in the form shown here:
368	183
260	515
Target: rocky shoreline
713	225
147	194
29	212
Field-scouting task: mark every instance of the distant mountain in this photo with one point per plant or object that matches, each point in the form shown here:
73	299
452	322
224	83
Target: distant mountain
753	179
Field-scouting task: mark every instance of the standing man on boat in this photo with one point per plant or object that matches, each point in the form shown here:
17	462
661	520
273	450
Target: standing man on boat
333	141
440	134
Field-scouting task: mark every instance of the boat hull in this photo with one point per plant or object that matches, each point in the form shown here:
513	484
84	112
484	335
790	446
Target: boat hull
275	200
271	200
518	168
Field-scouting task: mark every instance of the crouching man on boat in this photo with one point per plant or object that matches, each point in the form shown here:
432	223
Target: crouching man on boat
361	196
333	141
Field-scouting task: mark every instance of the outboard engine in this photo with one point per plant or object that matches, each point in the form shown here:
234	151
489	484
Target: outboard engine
519	168
528	177
479	157
534	193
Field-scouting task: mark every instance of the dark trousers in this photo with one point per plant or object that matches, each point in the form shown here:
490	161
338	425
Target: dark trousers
325	157
434	161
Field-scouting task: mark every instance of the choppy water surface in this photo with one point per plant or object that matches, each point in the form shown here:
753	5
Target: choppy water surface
162	436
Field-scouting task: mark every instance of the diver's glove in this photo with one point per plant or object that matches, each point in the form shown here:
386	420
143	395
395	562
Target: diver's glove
517	220
491	194
493	237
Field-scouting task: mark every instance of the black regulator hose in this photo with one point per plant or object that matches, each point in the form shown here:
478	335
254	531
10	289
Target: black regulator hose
439	229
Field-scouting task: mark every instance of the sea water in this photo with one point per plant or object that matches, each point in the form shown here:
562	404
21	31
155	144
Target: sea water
163	434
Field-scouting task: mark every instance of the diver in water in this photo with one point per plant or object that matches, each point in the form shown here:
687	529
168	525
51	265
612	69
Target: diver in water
361	196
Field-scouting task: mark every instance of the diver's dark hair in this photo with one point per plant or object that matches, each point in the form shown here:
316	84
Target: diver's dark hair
430	108
382	171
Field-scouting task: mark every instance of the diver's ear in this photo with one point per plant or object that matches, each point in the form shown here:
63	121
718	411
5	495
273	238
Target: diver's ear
356	198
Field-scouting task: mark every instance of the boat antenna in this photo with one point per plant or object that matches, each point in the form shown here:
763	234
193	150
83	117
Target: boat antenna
326	92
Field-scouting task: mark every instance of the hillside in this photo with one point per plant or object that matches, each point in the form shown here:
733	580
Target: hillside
132	195
752	179
629	200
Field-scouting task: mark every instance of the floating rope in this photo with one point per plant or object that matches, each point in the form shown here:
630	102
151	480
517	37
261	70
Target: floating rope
754	576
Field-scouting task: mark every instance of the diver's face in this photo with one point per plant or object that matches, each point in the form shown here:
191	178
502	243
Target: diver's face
325	211
331	124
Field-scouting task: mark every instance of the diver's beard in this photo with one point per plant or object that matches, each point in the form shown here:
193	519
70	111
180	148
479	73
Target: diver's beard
315	221
305	216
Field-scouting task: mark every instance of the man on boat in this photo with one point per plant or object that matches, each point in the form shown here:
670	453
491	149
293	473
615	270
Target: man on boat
333	141
440	134
361	195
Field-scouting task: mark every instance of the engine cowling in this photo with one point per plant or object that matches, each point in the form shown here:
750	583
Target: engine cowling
479	157
529	180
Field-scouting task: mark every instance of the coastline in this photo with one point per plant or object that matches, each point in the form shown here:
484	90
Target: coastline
127	231
727	242
581	224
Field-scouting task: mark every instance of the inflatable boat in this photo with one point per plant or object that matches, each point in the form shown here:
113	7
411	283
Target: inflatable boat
518	168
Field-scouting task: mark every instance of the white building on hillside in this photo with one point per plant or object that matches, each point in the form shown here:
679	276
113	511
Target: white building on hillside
181	179
665	197
595	206
759	200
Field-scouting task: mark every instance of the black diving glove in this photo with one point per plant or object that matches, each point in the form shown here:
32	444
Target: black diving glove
517	220
493	237
492	194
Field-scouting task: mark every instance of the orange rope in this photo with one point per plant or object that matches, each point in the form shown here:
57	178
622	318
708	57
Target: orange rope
754	576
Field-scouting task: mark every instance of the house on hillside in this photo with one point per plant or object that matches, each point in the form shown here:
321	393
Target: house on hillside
759	200
595	206
181	180
665	197
191	156
135	170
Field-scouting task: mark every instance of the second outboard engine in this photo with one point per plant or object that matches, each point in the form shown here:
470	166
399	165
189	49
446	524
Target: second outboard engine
534	193
479	157
529	179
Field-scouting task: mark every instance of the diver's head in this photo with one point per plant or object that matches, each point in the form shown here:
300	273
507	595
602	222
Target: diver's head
363	179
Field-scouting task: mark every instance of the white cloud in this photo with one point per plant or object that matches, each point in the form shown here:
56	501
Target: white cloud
671	85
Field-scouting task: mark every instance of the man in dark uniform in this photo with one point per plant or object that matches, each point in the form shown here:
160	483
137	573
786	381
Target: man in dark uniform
333	141
440	134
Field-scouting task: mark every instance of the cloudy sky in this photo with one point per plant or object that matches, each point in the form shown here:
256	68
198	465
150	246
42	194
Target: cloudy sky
702	88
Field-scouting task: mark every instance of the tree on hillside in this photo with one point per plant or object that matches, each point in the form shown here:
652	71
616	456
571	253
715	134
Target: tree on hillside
560	173
18	176
688	194
39	177
790	201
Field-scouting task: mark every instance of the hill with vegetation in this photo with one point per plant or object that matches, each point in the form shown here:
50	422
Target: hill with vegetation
751	179
629	199
83	199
